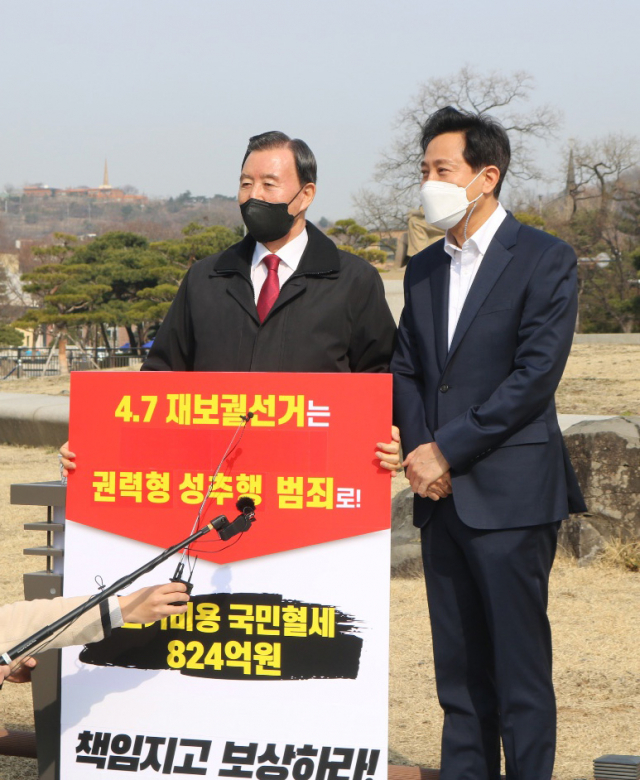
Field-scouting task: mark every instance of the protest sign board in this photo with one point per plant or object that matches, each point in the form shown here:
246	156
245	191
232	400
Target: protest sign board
280	666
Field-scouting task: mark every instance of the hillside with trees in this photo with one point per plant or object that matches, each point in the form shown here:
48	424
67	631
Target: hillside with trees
33	219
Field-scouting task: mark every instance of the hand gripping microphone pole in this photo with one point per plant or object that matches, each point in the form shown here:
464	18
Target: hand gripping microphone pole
220	524
123	582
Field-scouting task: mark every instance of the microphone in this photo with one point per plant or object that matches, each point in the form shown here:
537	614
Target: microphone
246	505
177	577
246	417
243	521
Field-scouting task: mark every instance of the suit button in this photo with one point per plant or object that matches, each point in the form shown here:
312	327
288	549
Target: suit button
444	388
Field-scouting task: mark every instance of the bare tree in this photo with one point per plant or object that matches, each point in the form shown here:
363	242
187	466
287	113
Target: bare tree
601	183
384	211
599	166
597	215
5	296
501	95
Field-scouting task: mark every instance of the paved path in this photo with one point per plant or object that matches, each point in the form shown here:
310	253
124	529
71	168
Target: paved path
33	419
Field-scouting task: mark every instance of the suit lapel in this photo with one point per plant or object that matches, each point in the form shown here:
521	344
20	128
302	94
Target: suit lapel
493	264
293	287
243	294
439	282
242	291
235	263
320	258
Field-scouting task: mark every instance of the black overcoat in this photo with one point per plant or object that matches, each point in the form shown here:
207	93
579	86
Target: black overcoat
331	316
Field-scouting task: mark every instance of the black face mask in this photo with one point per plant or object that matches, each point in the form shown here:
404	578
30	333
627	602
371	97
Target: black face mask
268	221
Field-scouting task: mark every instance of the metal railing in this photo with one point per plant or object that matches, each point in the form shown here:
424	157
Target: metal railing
21	362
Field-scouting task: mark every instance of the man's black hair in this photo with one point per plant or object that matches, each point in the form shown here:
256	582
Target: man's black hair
306	165
486	140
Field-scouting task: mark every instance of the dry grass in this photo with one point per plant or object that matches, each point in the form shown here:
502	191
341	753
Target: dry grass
596	632
48	385
19	464
622	555
601	379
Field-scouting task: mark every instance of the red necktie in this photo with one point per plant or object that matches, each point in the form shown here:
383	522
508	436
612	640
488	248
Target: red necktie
270	288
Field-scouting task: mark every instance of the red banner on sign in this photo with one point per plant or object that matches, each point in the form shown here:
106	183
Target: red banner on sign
148	445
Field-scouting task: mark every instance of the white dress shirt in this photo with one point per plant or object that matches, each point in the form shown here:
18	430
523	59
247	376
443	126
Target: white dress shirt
465	261
289	255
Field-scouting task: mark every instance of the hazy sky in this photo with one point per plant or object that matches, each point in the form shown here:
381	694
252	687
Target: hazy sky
170	90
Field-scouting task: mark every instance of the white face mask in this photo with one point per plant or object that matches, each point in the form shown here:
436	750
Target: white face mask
445	203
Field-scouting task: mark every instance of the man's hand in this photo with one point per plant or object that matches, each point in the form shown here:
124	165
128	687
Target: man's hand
18	671
150	604
425	466
441	488
66	459
389	454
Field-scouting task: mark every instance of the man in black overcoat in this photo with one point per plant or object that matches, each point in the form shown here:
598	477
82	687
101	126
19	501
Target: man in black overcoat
328	310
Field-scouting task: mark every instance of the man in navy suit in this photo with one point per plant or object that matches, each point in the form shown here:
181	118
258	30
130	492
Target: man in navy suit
484	337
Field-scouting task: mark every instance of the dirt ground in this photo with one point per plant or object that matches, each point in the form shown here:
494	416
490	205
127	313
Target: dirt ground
598	379
601	379
596	669
594	610
19	464
48	385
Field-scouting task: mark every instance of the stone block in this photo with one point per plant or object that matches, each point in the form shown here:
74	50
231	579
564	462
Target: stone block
606	457
406	555
580	538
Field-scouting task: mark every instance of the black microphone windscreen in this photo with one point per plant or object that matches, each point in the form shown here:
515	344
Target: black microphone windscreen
244	502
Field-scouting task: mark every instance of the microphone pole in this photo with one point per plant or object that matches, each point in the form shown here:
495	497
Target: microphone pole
123	582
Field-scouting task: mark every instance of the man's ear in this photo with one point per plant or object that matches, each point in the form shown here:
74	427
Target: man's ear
308	194
491	179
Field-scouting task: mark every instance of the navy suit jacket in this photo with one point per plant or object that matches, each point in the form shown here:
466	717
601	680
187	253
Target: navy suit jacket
488	400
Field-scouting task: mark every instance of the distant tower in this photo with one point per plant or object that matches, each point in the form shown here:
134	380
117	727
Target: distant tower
571	174
105	182
571	188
